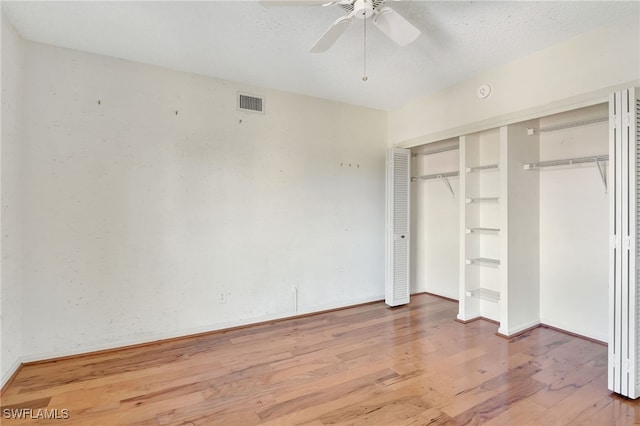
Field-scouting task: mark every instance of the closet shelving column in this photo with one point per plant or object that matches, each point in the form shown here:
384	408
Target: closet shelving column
480	226
499	249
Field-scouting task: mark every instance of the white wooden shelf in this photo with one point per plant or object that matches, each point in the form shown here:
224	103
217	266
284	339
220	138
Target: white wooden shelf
484	261
484	230
482	167
485	294
483	200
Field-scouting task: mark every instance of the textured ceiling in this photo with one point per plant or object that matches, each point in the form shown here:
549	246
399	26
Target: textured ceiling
268	46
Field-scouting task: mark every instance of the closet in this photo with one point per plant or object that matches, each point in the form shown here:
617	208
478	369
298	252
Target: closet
574	216
548	216
529	205
435	218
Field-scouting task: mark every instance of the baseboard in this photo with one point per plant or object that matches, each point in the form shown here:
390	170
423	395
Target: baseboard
573	331
92	351
516	331
450	299
519	332
461	321
580	336
477	319
532	327
11	374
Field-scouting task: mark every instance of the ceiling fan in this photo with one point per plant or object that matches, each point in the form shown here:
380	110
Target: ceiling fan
384	18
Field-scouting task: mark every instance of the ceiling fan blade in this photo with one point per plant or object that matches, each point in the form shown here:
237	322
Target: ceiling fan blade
292	3
332	34
395	26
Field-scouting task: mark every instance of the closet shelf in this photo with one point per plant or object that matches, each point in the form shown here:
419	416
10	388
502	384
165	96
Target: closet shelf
487	230
482	167
569	125
436	151
485	294
565	161
483	200
484	261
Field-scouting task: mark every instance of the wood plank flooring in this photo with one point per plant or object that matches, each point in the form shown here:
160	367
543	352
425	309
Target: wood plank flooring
367	365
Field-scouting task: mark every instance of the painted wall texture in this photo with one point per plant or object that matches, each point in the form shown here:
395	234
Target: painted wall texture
579	72
154	208
11	291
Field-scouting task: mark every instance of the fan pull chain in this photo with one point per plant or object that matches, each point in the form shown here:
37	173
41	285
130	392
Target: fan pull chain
364	73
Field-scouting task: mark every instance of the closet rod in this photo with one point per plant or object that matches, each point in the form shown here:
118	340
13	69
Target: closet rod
565	161
434	176
568	125
598	159
444	176
437	151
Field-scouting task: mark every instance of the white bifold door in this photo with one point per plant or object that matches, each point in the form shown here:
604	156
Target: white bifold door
397	238
624	229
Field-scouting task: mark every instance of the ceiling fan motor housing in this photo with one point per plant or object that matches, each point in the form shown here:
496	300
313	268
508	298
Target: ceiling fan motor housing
384	18
363	9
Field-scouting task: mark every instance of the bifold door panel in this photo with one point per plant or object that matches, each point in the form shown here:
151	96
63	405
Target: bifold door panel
397	267
624	226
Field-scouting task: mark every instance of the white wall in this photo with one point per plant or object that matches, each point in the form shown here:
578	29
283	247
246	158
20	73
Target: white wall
435	217
12	142
139	220
579	72
574	231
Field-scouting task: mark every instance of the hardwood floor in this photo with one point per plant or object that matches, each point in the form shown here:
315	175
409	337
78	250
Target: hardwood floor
367	365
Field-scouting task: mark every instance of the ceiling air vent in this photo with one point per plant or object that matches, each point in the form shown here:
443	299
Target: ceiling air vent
252	103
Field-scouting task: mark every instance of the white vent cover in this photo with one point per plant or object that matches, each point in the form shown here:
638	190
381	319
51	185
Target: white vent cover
251	103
